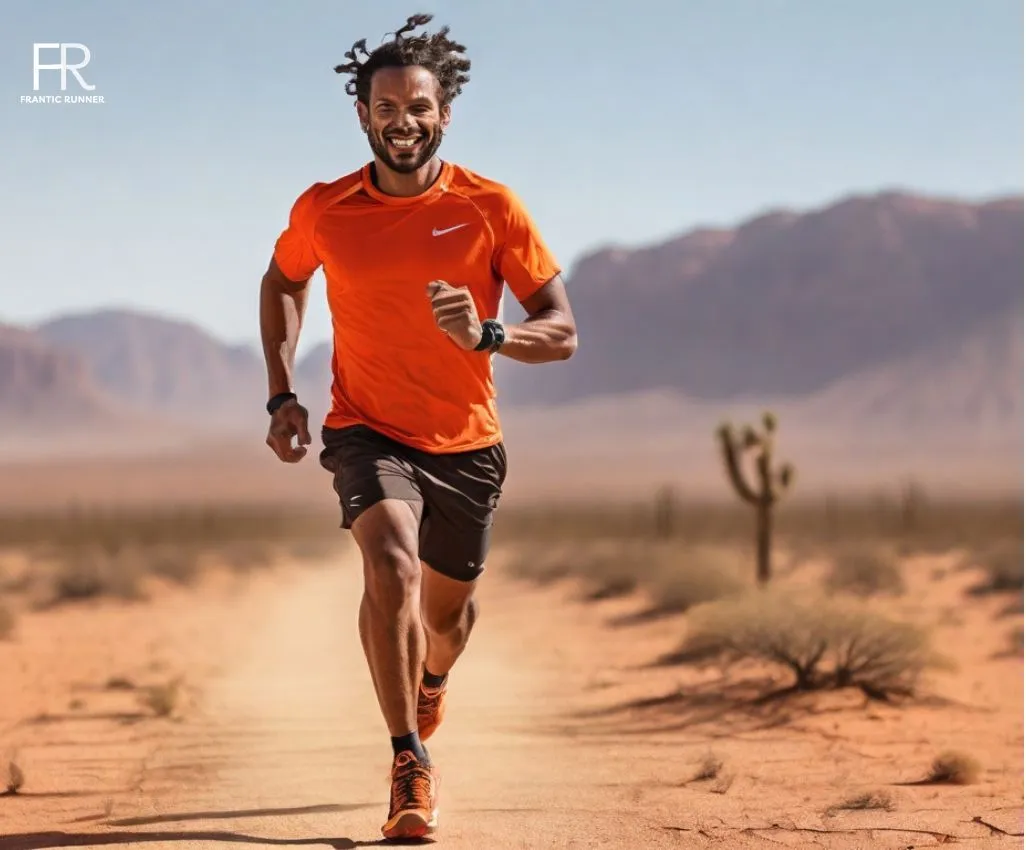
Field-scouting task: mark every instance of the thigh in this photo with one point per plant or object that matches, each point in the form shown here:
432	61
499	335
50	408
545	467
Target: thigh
461	492
367	469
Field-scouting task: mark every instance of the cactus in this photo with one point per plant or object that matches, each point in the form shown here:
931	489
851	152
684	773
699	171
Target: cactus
665	512
770	485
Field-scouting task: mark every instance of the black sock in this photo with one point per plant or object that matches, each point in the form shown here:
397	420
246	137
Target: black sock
433	681
412	743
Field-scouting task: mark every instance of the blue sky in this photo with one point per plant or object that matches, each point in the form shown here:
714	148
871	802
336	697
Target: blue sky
617	123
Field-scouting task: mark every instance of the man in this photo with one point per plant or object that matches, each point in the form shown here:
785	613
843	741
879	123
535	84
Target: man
415	252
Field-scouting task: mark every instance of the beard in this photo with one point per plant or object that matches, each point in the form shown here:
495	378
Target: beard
405	162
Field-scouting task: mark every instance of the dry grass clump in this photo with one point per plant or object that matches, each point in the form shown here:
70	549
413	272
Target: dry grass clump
84	554
687	576
870	800
1003	565
954	768
710	768
6	622
77	575
13	775
162	699
822	643
865	571
675	576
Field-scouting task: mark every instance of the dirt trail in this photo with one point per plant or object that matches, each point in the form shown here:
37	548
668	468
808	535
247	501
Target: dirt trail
280	742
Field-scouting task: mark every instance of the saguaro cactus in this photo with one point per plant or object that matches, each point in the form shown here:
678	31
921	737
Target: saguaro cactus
770	484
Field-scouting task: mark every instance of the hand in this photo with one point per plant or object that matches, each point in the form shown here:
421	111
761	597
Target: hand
288	421
455	313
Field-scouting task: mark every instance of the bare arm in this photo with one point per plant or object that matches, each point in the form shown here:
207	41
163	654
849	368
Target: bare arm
549	331
282	307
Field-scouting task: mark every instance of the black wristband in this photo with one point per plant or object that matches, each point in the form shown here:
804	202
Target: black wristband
278	400
493	335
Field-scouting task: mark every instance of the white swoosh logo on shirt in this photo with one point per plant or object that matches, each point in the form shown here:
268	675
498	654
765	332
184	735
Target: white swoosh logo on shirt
436	232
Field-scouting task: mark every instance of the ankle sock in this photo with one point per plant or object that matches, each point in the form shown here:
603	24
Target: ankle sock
412	743
430	680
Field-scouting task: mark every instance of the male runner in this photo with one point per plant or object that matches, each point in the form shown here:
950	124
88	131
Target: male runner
415	252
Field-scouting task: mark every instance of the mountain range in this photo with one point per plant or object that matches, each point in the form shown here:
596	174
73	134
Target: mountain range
893	310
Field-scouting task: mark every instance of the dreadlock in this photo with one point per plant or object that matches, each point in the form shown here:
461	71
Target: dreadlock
437	52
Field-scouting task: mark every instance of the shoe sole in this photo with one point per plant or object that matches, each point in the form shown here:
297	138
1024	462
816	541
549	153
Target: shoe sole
411	824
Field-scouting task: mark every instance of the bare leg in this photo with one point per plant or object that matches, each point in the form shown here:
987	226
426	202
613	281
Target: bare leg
390	621
448	611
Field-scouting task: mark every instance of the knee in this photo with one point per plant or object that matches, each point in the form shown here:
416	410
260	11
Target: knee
452	619
391	576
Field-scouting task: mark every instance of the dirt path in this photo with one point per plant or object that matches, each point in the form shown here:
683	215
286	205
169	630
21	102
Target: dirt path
280	743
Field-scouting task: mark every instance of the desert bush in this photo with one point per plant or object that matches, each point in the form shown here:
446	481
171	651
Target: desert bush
682	577
1003	564
882	657
1015	641
82	554
88	573
878	800
546	563
954	768
710	768
13	775
6	622
162	699
822	643
864	571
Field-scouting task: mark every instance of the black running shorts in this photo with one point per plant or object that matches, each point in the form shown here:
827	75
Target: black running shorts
455	493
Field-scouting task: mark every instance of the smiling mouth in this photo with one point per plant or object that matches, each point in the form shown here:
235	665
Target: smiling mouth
404	143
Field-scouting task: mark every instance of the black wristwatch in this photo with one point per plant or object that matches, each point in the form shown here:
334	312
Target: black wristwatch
493	335
278	400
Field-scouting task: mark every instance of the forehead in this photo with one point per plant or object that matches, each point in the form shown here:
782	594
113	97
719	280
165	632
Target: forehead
403	84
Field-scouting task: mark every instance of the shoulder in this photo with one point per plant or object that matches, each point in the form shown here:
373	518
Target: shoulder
490	195
318	196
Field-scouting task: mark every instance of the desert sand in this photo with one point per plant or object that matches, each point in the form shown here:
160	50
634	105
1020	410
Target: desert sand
562	732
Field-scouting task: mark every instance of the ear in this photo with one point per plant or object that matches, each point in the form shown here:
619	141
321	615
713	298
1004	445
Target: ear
446	116
363	113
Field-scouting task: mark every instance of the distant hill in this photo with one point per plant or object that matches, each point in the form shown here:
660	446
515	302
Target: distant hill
41	385
787	303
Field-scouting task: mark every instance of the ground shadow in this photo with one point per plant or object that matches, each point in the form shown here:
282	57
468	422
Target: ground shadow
44	795
113	716
648	614
182	817
46	840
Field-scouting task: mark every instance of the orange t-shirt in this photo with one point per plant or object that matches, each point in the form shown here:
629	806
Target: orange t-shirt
393	369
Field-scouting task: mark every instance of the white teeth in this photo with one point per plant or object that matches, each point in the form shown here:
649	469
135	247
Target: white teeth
404	143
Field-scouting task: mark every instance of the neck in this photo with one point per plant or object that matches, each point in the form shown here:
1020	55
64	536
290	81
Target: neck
406	185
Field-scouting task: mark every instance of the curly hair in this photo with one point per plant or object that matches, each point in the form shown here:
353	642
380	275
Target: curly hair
435	51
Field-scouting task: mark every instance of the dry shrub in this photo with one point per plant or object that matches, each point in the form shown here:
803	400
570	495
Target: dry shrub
675	576
710	768
865	571
824	644
89	573
162	699
870	800
14	776
1015	644
179	564
6	622
1003	564
954	768
686	576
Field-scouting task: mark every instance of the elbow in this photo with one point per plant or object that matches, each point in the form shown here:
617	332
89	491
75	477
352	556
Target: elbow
569	346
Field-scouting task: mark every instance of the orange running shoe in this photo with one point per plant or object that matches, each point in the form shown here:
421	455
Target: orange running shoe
430	710
413	810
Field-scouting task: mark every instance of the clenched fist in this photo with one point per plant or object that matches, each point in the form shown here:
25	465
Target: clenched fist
455	313
289	421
